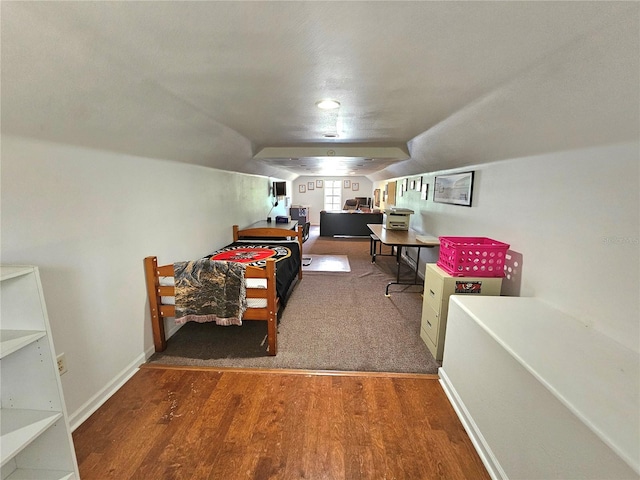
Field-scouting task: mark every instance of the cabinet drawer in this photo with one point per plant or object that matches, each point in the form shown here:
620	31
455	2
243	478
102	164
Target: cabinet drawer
433	286
431	323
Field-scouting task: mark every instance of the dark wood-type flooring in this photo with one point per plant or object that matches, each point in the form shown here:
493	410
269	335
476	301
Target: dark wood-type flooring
182	423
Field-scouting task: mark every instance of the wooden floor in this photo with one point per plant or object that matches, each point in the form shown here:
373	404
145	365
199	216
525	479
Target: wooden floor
225	424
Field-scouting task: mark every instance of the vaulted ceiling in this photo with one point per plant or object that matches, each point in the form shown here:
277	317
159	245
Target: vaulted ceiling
422	86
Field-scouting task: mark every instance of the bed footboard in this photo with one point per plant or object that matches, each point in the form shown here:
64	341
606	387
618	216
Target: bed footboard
266	297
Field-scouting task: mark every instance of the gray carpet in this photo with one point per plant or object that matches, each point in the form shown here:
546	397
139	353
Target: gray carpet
333	321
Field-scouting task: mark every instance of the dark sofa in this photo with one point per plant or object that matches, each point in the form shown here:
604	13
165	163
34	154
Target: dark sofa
347	223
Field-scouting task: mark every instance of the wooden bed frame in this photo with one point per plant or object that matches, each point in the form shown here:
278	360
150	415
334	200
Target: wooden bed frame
159	311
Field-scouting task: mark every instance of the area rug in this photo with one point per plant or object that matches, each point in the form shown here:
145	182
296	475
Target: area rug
325	263
332	321
195	342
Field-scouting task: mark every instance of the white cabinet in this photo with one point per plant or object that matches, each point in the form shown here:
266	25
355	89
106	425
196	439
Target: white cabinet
541	394
35	438
438	287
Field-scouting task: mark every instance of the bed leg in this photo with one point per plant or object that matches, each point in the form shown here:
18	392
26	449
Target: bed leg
300	238
272	308
157	322
272	333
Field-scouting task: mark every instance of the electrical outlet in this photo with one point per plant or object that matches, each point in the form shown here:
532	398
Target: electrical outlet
62	364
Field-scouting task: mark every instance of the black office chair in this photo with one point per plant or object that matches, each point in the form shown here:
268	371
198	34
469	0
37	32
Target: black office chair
350	204
363	202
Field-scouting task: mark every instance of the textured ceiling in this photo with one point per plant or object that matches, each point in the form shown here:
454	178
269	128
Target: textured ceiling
221	83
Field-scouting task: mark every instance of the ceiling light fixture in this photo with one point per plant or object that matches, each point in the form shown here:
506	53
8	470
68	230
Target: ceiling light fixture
328	104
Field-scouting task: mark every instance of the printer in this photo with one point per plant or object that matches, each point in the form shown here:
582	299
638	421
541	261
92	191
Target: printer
396	218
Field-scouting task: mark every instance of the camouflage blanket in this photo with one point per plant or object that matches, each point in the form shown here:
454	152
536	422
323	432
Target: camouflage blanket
210	291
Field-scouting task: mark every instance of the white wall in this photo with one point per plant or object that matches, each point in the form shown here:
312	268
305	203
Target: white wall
314	198
87	218
573	216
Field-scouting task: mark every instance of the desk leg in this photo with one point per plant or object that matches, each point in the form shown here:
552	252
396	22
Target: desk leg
373	247
398	261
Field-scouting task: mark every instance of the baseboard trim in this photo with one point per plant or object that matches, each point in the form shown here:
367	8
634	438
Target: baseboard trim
85	411
286	371
477	439
171	330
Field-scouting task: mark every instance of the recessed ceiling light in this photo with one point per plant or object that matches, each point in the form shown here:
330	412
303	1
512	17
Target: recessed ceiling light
328	104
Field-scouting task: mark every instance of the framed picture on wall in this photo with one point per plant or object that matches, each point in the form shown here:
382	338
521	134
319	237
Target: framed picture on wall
455	188
310	185
376	197
355	186
413	184
302	189
424	191
347	184
318	183
419	185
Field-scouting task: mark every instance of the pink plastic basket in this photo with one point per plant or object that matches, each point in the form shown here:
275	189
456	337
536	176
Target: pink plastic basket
472	256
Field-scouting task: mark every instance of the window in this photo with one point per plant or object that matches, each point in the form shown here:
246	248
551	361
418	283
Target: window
332	195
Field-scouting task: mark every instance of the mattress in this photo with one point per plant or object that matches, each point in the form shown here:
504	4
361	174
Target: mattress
249	283
286	254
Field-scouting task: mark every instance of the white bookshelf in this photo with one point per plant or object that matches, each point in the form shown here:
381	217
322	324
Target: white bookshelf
35	438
